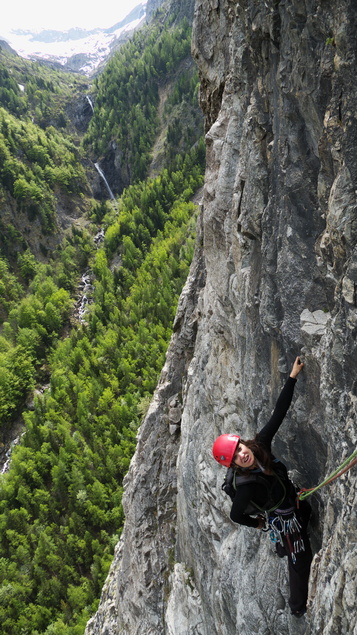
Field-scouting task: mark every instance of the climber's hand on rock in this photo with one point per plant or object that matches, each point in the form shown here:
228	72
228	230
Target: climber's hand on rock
298	366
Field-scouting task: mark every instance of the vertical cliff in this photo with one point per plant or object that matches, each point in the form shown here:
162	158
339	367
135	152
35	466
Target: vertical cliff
274	274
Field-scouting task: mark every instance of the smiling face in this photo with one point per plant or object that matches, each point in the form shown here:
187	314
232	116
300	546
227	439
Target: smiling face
243	456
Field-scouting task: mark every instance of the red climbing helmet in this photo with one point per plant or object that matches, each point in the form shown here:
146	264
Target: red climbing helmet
224	448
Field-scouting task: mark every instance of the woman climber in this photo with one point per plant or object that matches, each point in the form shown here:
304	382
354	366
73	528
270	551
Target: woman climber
264	497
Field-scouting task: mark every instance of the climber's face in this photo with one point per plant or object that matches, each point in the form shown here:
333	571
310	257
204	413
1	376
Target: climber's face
243	456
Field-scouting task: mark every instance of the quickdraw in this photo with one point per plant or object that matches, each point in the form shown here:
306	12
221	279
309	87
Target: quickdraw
346	465
284	524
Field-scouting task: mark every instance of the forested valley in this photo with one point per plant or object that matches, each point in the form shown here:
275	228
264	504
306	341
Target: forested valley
76	385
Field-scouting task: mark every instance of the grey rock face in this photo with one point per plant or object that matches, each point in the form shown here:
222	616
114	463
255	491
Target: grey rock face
274	275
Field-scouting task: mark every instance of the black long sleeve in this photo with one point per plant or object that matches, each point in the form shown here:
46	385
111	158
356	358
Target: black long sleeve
267	433
241	501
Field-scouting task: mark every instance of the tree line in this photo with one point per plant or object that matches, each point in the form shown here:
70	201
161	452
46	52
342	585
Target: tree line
127	95
60	503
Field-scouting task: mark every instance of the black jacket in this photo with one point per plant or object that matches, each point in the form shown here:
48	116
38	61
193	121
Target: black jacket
281	489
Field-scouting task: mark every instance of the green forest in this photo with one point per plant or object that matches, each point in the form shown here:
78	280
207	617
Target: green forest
127	98
89	381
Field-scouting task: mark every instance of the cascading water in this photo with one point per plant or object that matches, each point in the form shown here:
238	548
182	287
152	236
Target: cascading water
85	288
99	237
14	436
5	459
102	175
90	102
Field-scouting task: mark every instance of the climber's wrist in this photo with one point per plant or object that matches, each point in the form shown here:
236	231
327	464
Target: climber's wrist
261	523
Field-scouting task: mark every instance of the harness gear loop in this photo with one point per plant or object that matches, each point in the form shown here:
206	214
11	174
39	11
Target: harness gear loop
344	467
284	524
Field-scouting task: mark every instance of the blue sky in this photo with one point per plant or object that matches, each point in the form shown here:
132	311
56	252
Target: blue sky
63	14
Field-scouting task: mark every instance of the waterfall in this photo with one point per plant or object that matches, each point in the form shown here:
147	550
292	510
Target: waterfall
101	174
90	102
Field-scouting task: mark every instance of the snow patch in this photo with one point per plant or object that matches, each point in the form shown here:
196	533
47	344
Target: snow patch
94	46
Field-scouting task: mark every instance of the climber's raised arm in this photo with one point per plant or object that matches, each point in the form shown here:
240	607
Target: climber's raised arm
267	433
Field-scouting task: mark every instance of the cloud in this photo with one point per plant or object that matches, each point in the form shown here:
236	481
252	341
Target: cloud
64	14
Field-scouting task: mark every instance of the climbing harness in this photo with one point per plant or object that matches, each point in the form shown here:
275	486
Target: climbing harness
344	467
284	524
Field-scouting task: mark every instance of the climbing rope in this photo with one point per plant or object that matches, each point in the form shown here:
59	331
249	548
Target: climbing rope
346	465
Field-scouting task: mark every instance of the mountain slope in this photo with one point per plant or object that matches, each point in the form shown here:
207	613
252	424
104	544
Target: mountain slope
74	384
42	181
274	275
152	71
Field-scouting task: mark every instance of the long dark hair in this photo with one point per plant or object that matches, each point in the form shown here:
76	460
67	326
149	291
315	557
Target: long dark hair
262	456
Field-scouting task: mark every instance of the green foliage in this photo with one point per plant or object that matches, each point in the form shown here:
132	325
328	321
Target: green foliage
33	327
183	118
29	89
27	265
128	95
72	257
60	503
33	163
10	94
11	240
10	288
16	380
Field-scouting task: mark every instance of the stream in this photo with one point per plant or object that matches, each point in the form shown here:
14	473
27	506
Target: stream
86	287
85	299
5	453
